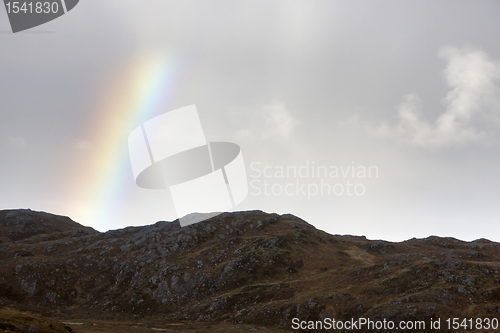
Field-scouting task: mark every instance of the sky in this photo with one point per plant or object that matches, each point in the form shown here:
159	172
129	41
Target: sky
375	118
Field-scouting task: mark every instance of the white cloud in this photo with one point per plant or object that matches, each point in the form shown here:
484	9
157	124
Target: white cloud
270	122
472	106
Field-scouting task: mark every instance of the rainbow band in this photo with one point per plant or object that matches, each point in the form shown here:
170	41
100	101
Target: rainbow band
171	151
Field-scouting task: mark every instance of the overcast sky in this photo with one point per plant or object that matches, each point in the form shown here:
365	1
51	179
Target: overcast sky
409	88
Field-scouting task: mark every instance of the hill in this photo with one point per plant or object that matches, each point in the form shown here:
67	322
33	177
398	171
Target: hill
20	224
251	268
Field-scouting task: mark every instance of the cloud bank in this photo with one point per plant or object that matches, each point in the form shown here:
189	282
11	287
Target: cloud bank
472	105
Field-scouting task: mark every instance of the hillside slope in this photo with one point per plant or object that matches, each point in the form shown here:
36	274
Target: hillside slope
248	268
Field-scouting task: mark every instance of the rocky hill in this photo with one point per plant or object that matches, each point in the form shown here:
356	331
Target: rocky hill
20	224
242	268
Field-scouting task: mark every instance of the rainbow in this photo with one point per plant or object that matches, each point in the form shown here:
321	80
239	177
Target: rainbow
101	175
